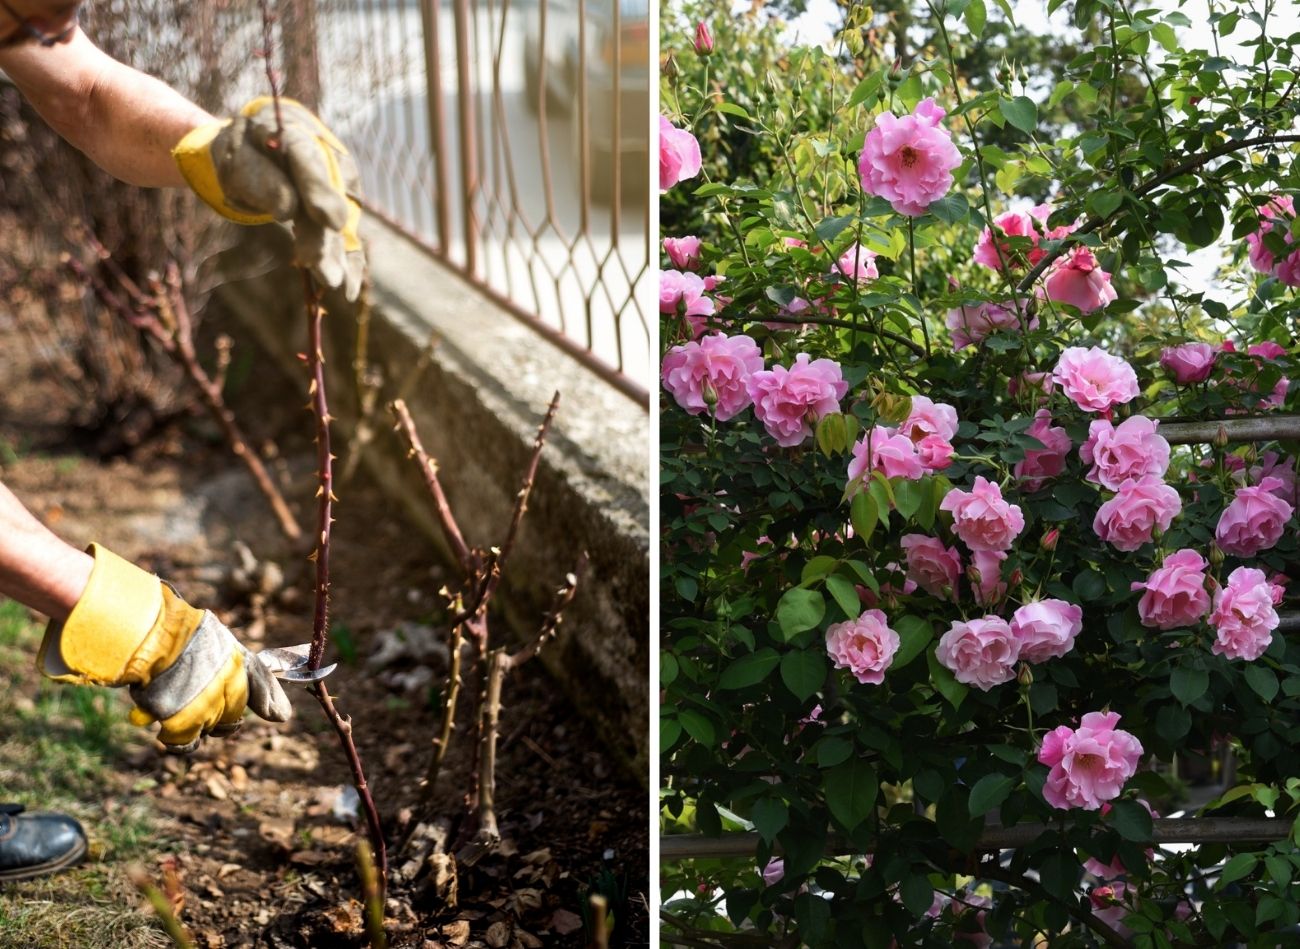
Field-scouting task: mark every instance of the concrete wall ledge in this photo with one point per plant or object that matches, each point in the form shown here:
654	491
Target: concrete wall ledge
477	395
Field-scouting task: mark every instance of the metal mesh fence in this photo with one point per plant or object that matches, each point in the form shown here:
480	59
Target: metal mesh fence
511	139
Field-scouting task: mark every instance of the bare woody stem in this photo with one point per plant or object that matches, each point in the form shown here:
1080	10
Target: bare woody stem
451	698
498	664
429	469
320	619
148	315
554	617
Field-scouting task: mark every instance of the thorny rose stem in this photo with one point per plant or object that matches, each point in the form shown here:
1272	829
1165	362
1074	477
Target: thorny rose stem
324	520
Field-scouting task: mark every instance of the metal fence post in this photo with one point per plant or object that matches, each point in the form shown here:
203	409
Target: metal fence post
465	95
430	11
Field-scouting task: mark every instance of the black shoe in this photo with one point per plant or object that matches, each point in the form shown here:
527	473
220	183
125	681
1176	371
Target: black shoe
32	845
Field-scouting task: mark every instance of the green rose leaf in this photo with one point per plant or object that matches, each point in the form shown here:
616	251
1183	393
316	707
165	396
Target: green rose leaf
851	792
1020	112
803	672
799	610
749	670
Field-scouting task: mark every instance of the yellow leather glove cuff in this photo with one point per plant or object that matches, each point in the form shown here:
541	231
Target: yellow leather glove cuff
126	627
193	155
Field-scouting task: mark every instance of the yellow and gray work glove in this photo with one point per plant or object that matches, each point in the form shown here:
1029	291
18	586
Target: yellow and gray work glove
184	668
307	177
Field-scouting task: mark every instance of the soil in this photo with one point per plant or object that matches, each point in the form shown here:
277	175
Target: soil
260	826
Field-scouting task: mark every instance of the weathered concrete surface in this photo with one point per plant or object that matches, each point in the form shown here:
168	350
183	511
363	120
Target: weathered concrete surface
477	395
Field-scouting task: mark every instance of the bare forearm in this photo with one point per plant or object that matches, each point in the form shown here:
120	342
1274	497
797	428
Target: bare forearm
125	121
36	568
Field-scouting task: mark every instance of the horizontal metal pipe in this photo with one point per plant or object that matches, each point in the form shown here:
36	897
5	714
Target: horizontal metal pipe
1165	830
1260	428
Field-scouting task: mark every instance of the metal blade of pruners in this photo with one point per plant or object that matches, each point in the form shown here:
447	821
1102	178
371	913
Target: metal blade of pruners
290	663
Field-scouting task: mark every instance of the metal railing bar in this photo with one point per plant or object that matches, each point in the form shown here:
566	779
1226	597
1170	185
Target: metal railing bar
1246	429
430	13
465	95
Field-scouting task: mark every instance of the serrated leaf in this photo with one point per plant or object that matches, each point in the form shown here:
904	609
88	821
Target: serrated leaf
1132	821
976	15
868	88
803	672
845	595
697	725
989	792
1020	112
1188	685
749	670
731	108
670	729
914	634
799	610
1262	680
864	515
1239	866
851	792
817	569
908	496
769	816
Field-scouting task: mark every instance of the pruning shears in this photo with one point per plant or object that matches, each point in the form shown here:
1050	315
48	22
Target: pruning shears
290	663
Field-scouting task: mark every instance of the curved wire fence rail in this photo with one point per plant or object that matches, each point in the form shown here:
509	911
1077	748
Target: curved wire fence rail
509	138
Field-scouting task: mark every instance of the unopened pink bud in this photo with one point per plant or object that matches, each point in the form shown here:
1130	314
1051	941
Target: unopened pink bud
1048	543
703	39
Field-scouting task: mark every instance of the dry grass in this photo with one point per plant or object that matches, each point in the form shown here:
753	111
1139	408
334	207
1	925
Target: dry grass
58	752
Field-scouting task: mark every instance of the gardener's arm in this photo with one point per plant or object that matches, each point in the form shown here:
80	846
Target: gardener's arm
125	121
36	568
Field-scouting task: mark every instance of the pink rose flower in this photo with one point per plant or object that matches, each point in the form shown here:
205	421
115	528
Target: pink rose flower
684	252
982	518
682	294
1131	517
971	325
1089	764
1011	224
1175	592
909	161
979	652
719	365
934	567
985	574
1046	629
927	417
774	872
1243	617
884	449
679	155
865	646
1188	363
1094	379
935	452
1130	450
1078	280
857	264
1287	270
789	401
1039	464
1266	350
1254	520
1282	470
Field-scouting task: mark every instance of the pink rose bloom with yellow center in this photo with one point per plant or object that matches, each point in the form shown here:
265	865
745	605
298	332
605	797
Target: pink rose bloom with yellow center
1031	224
865	646
1243	617
1280	210
1077	279
789	401
679	155
1094	379
1046	629
979	652
935	568
972	324
909	161
716	368
1131	449
1188	363
1175	592
1039	464
1254	520
1089	764
883	449
981	518
1140	508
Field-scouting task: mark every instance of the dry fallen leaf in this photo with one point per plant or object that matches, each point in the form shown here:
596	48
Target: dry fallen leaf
277	831
457	933
498	935
172	886
217	788
565	922
348	919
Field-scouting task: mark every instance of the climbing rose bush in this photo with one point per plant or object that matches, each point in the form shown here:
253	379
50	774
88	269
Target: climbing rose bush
962	536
